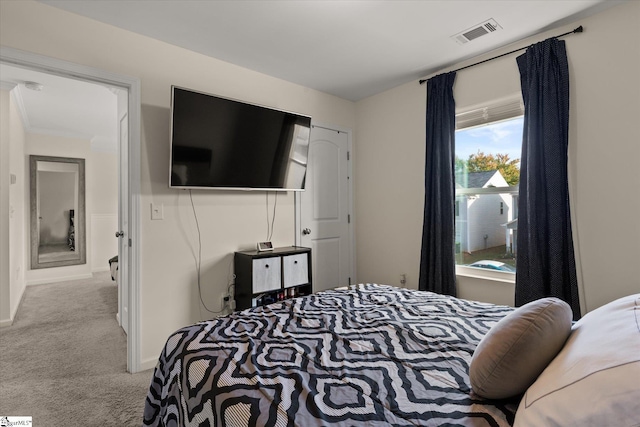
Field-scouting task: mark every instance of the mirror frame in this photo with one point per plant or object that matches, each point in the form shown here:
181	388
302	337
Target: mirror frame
80	228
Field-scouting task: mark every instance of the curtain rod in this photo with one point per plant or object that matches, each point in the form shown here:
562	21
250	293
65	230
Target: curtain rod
577	30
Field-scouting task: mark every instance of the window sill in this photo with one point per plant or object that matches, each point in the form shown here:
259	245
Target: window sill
483	274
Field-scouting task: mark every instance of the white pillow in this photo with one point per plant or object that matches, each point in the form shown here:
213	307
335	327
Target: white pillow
595	379
516	350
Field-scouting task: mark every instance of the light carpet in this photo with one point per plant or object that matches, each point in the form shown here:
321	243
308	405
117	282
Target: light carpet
63	361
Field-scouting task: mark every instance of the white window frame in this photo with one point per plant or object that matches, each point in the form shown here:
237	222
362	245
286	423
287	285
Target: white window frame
493	112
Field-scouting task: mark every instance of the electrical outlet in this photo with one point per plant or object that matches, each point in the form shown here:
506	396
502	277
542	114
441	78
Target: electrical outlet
225	300
403	279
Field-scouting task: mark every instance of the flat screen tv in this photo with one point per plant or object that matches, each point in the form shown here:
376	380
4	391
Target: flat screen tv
220	143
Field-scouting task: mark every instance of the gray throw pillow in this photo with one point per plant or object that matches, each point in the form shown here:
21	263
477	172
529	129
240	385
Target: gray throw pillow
519	347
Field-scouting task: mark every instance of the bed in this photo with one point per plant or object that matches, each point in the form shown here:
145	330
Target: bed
371	355
374	353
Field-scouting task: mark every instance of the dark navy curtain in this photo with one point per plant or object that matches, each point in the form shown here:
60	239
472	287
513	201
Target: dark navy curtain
545	259
437	258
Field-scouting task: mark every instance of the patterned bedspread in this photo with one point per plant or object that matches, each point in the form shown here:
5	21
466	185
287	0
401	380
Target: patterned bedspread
371	355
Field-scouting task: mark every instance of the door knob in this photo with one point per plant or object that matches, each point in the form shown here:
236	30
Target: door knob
306	231
119	233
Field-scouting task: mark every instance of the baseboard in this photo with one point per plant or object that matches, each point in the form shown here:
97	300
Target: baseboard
9	322
59	279
100	270
148	364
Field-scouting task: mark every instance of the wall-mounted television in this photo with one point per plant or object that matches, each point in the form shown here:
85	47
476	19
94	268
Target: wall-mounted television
224	144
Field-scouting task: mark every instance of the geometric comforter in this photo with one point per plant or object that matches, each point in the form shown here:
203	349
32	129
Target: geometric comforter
371	355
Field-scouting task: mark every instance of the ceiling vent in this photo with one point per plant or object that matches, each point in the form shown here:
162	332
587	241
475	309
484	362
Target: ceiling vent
476	31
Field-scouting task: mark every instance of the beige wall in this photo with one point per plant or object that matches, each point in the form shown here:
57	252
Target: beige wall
604	142
5	291
102	179
13	226
102	220
101	200
18	205
228	221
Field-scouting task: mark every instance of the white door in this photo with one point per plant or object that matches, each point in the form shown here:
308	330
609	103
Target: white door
123	224
324	224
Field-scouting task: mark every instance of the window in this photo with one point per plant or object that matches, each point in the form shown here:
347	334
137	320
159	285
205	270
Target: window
488	147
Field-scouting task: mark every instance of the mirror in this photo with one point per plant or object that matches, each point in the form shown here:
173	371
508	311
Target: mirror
57	211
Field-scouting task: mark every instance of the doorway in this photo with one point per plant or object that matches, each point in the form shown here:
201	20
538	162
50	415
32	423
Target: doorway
129	179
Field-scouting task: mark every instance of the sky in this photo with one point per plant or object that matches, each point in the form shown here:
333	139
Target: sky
501	137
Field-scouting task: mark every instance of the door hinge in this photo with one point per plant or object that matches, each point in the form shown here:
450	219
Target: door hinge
129	242
349	281
348	218
348	155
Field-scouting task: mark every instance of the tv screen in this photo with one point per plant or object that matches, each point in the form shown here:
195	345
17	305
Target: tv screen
219	143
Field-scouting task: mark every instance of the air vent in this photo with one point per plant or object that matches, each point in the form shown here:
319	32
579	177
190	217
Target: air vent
476	31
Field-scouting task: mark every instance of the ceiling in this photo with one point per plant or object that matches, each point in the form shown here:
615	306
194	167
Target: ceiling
64	107
350	49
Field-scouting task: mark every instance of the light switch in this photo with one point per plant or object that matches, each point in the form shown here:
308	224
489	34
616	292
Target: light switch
156	211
